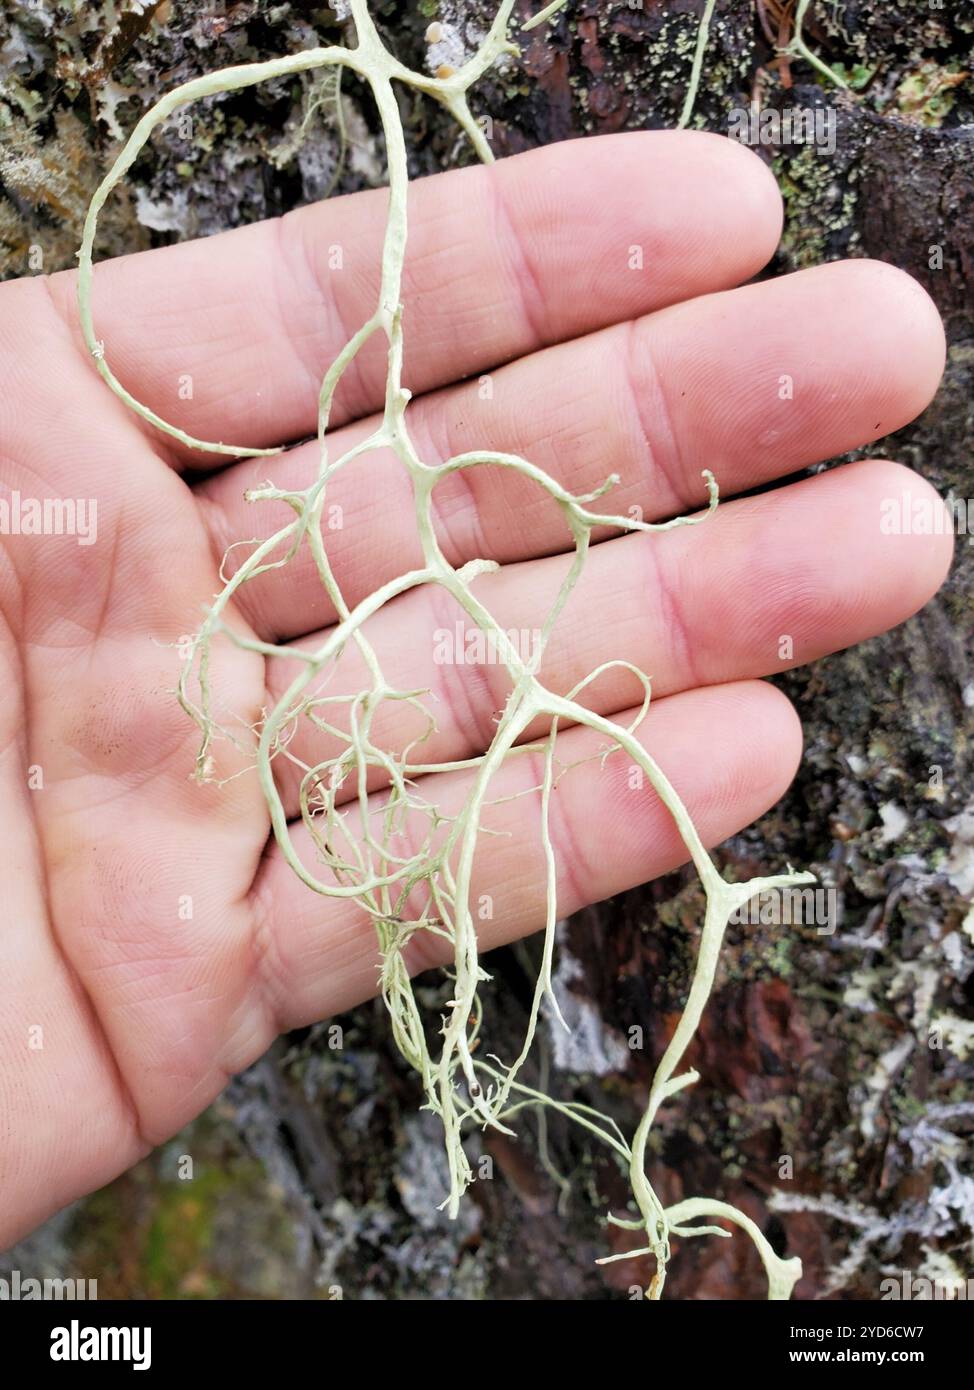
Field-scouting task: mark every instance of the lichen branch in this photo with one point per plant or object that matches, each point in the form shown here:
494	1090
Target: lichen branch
406	864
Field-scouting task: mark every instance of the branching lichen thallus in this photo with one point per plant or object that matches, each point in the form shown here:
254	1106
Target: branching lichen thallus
428	887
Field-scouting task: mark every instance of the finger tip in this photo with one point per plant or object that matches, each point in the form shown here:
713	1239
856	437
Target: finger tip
914	522
910	339
778	740
723	208
754	750
758	187
726	165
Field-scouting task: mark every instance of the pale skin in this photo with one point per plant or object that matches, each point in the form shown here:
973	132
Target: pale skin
521	272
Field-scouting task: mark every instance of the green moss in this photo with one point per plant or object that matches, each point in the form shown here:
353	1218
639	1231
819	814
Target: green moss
179	1239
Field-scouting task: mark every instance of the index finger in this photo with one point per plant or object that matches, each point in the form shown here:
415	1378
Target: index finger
228	337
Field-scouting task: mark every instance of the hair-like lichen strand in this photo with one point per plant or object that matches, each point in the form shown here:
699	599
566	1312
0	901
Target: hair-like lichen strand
424	884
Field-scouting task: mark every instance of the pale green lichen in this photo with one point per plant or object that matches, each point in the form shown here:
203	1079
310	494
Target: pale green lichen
430	889
798	48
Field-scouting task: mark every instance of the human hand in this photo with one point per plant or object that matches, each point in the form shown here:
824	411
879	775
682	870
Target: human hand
154	942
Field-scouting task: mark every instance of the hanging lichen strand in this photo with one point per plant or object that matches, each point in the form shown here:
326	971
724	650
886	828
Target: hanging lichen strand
429	890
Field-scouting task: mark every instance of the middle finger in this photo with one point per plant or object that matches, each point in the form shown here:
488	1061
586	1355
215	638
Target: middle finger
753	383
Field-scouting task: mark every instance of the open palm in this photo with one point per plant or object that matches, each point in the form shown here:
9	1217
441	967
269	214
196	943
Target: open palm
576	306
